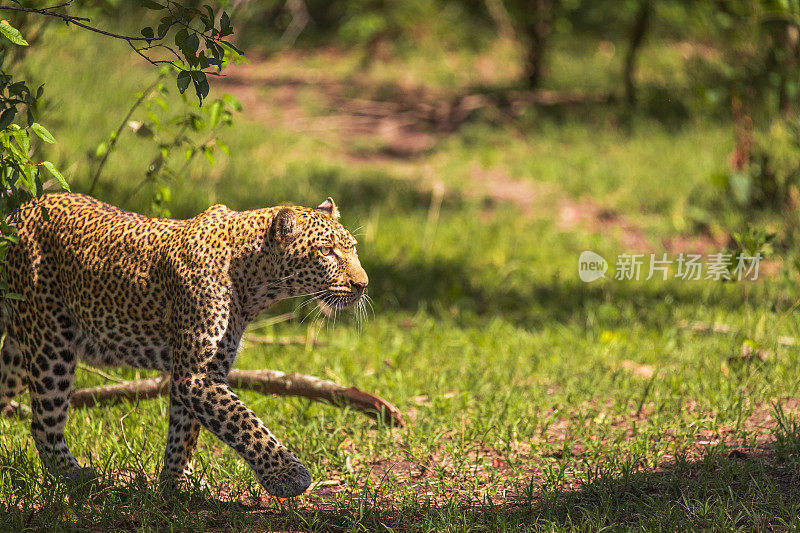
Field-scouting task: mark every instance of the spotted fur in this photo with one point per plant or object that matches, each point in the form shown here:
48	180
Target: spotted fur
112	287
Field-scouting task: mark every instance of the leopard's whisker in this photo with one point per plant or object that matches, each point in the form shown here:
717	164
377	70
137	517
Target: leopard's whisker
285	277
307	302
313	294
368	301
336	301
359	310
318	309
279	282
321	322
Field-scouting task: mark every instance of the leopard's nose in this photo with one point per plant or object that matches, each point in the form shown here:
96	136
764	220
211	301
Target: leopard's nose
358	286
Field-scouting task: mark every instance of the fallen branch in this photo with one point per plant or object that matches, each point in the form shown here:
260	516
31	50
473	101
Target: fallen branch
271	339
15	409
275	382
263	381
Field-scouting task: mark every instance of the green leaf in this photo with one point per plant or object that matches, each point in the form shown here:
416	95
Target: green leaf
214	113
180	38
56	174
192	42
166	22
208	151
14	296
160	102
149	4
148	32
216	50
208	23
225	28
18	88
42	132
23	139
7	116
232	101
209	11
165	194
183	80
233	47
12	34
224	147
200	84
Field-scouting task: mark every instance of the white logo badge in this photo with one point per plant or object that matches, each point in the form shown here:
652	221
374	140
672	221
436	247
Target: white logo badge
591	266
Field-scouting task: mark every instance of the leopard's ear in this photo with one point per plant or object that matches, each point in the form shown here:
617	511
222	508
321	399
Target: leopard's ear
284	226
330	208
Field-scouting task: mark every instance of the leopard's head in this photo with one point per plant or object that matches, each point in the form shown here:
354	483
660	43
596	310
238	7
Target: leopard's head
318	256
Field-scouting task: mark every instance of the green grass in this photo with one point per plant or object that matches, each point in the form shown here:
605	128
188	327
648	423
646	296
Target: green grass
533	400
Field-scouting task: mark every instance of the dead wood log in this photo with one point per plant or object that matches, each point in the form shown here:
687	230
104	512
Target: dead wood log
15	409
263	381
283	341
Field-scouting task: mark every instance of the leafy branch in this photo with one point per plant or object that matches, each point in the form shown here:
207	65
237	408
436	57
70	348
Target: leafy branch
20	174
193	27
176	136
105	149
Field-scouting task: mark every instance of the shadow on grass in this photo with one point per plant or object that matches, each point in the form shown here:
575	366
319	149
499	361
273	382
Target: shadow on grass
720	490
750	491
452	287
357	192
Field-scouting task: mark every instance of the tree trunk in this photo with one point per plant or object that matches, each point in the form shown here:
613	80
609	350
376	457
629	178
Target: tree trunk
536	21
640	26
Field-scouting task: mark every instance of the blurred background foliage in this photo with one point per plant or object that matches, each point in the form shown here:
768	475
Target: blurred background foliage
618	63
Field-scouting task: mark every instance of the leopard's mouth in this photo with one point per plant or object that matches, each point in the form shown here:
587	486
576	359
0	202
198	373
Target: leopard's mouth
340	299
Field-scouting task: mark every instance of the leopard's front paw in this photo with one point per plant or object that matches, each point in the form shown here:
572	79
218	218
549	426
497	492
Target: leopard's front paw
187	483
289	479
81	474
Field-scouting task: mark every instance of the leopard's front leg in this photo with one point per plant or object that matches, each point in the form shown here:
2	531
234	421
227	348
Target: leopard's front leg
212	402
202	357
181	442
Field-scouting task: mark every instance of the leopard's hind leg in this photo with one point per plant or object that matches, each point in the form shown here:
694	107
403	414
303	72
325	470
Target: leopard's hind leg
50	365
12	371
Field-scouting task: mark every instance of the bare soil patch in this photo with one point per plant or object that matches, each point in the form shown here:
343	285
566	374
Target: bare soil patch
510	476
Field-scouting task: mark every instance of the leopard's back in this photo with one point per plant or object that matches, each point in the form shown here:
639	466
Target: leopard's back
100	270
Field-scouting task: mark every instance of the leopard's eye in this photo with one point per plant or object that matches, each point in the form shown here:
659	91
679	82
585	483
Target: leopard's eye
326	250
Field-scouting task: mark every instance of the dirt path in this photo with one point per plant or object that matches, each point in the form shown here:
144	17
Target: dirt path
401	125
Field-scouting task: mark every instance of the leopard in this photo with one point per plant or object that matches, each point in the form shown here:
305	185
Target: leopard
109	287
